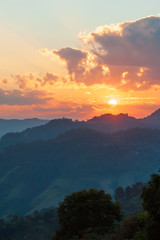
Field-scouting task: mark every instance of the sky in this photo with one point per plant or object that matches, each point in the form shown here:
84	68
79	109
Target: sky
79	58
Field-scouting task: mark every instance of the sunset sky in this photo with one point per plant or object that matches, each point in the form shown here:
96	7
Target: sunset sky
79	58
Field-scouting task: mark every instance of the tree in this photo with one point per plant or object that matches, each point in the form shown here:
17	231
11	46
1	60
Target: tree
133	228
151	203
129	198
87	211
119	193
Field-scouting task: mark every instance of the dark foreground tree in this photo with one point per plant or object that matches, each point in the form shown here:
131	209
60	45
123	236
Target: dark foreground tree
146	225
151	204
133	228
83	212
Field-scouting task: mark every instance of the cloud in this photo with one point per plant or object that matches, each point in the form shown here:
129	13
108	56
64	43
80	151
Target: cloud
124	55
49	78
28	80
22	80
54	109
4	81
130	45
66	107
81	65
73	57
17	97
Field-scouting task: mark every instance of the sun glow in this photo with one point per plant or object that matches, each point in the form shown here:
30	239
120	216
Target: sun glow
112	102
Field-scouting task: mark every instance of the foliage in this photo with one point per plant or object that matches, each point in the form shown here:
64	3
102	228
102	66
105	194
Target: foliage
133	228
87	212
47	169
129	198
151	204
146	225
38	225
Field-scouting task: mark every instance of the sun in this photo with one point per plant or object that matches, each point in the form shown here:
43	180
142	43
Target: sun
112	102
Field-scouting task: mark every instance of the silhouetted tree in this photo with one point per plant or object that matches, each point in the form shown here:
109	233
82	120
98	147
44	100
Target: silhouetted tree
119	193
151	204
133	228
91	211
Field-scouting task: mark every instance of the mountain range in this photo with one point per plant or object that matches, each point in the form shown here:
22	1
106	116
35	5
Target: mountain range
106	123
39	166
17	125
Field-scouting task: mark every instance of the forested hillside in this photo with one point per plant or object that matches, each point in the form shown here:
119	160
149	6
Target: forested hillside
39	174
41	225
37	225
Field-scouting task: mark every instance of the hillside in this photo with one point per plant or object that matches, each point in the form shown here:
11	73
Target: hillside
48	131
17	125
106	123
39	174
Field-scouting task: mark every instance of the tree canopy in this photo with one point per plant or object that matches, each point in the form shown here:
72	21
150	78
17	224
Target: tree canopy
151	204
87	211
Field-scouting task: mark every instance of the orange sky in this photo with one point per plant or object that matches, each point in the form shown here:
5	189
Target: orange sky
117	61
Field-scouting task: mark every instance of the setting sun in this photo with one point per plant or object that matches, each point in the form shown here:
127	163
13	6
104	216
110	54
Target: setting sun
112	102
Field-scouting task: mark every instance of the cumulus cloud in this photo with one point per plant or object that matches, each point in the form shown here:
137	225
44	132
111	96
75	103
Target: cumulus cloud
125	55
82	66
17	97
130	45
73	57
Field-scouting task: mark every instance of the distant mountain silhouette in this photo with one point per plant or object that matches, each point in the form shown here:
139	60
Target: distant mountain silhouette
106	123
113	123
153	120
48	131
39	174
16	125
155	114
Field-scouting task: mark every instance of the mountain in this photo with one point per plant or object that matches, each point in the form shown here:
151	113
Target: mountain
155	115
114	123
48	131
105	123
16	125
153	120
39	174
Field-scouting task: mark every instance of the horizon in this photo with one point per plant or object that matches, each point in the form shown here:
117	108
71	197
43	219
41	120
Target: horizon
77	60
76	119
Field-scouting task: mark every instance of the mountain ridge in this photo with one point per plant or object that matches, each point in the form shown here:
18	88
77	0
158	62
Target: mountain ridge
17	125
105	123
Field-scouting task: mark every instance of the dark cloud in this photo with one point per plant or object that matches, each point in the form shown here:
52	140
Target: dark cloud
73	57
80	65
17	97
66	107
53	109
24	81
49	78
